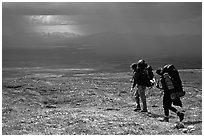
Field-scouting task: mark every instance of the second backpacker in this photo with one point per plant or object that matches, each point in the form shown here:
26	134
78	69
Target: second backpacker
173	81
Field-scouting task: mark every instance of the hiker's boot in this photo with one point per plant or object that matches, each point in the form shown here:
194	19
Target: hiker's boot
138	103
144	110
181	116
138	108
144	105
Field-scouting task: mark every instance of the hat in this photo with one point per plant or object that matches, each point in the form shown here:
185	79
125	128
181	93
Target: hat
141	64
168	68
141	61
133	66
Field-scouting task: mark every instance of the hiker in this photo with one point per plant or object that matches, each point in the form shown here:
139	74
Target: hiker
135	93
141	80
169	86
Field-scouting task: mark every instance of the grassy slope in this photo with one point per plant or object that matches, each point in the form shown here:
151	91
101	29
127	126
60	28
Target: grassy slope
60	102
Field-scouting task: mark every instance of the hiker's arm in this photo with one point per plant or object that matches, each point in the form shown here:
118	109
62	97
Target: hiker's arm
134	82
158	83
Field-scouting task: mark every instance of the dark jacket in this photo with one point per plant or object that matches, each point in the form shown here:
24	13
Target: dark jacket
139	78
164	86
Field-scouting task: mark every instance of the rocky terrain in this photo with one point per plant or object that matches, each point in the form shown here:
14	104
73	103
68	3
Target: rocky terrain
85	102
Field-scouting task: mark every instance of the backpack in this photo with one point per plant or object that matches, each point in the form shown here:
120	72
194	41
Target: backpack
150	72
148	76
168	81
174	74
176	81
145	73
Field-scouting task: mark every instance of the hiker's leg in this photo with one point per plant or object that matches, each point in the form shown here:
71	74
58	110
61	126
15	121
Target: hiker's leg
137	99
141	90
179	114
177	102
166	105
173	109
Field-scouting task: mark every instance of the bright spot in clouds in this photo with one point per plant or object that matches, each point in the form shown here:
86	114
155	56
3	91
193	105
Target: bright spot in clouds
50	19
53	23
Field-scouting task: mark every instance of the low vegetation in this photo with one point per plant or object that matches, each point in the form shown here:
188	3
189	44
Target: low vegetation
91	103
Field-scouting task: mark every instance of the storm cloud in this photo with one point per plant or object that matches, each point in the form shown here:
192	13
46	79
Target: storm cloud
114	28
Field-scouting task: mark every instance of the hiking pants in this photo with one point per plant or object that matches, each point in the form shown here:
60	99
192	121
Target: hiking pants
137	98
167	104
141	91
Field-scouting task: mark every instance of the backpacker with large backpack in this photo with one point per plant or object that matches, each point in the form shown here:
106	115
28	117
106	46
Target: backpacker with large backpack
173	81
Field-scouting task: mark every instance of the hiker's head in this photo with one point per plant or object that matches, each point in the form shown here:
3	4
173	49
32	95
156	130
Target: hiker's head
149	67
159	71
166	68
141	64
169	68
133	66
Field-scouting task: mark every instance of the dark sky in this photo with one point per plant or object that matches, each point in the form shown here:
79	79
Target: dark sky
117	28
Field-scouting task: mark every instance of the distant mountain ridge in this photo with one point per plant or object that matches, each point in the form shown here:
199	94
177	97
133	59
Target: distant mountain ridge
114	49
108	43
59	35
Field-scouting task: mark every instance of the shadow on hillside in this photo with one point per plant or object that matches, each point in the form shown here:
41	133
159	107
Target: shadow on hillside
153	115
192	122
